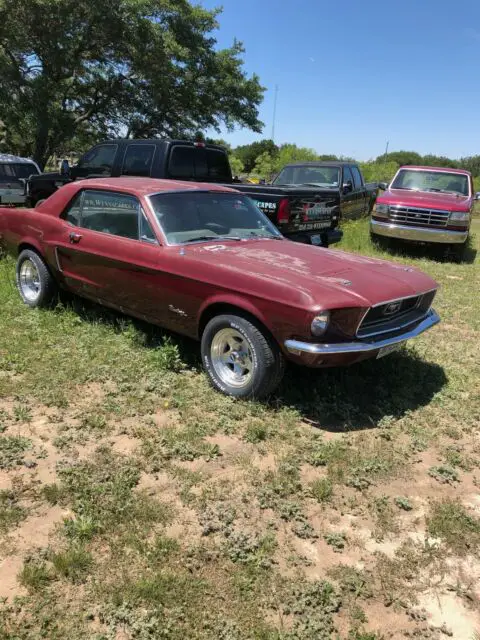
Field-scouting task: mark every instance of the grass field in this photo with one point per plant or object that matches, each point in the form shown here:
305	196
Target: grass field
135	502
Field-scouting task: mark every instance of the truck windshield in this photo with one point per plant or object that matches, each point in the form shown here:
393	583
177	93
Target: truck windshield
440	181
327	177
15	170
201	216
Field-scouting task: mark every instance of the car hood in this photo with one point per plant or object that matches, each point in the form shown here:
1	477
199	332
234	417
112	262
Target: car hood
425	199
306	275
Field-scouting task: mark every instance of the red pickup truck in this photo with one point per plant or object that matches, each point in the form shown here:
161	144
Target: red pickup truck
427	205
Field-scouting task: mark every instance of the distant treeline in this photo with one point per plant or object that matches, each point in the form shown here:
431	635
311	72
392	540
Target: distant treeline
264	159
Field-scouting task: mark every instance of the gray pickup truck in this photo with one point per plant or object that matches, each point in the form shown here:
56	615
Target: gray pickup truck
14	172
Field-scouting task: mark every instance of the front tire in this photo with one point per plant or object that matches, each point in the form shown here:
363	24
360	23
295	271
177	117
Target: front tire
35	283
240	358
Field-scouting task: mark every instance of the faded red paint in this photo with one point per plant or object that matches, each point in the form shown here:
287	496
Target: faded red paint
282	283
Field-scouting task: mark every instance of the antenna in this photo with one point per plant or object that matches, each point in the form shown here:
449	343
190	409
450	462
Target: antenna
274	112
386	151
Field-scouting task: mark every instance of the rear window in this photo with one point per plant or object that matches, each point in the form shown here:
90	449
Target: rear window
17	170
199	163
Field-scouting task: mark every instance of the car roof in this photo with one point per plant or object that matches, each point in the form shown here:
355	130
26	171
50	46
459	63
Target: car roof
322	163
146	186
7	157
424	168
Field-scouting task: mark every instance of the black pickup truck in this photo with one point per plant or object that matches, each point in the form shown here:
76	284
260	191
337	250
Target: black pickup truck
306	201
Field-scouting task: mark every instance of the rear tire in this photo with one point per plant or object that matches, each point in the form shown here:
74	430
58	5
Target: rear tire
240	358
35	283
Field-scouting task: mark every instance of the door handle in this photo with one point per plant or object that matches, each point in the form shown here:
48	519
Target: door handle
74	237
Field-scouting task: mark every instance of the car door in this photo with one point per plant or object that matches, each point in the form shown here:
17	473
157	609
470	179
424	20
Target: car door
97	162
361	208
109	253
349	197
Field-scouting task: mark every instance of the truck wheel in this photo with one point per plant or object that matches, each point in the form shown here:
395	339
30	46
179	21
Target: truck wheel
34	281
240	359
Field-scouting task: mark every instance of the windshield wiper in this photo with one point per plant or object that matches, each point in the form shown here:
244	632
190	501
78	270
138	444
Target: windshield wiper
318	184
209	238
433	189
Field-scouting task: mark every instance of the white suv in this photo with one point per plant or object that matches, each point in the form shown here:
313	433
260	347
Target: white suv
14	172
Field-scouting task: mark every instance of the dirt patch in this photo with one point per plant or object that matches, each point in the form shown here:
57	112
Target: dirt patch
33	533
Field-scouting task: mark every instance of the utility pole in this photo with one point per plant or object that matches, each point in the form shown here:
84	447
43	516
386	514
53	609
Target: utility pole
274	112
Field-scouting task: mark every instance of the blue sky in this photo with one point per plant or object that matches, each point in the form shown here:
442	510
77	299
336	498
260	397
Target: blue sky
354	74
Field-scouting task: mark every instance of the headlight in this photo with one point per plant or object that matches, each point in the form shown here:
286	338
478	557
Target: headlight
381	210
320	323
459	216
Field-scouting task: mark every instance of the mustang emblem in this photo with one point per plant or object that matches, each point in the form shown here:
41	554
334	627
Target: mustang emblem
392	308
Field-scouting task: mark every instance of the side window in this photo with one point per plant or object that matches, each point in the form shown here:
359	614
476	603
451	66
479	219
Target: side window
182	162
357	178
146	232
72	213
138	160
109	212
218	165
99	159
347	175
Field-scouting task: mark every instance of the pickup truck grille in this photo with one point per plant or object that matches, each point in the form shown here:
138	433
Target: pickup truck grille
395	315
419	217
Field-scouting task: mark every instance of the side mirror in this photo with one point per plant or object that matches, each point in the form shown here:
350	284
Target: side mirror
383	186
477	195
347	186
64	168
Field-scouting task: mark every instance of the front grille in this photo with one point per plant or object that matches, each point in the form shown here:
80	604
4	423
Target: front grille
419	217
394	315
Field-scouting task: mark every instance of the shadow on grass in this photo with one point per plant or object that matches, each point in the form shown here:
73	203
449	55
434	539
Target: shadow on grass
340	399
435	252
364	395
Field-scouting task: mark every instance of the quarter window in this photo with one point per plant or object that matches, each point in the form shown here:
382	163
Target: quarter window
138	160
357	178
113	213
347	175
99	159
72	214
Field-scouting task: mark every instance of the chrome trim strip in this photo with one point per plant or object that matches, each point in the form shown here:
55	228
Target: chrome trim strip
380	332
297	347
418	234
59	267
423	293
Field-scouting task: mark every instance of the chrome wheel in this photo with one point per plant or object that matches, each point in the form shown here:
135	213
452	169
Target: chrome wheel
29	281
232	358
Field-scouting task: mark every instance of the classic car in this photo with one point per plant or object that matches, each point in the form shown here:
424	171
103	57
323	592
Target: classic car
204	261
308	213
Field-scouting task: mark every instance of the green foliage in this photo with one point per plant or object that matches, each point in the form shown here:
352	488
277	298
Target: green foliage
450	521
12	449
264	166
74	563
248	153
11	512
147	68
378	171
236	165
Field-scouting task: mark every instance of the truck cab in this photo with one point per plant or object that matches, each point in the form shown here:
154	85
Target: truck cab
426	205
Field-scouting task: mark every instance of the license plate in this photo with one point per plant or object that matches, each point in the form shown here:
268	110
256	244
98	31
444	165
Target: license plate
385	351
316	239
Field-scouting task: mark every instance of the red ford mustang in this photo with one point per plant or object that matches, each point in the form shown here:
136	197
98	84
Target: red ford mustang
202	260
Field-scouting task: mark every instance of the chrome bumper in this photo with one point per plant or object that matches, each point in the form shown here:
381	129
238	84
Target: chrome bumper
296	347
417	234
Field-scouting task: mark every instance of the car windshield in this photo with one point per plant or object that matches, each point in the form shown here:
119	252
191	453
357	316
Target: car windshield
441	181
324	176
15	170
197	216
